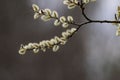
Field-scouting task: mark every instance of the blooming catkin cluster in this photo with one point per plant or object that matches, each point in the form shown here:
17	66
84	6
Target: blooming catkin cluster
71	3
65	22
47	14
48	44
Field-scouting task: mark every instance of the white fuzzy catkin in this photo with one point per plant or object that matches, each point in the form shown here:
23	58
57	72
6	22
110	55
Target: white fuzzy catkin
62	19
36	50
71	6
22	51
70	19
36	15
117	18
45	18
35	7
66	2
118	31
87	1
65	25
57	22
118	13
55	14
75	1
47	12
55	48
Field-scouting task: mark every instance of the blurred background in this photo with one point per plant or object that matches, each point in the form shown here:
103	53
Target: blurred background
91	54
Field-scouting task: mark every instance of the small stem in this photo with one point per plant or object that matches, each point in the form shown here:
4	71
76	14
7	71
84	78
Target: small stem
79	26
104	21
81	6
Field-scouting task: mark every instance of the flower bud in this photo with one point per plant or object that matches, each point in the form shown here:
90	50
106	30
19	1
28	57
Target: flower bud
65	25
70	19
55	48
54	14
62	19
35	7
56	22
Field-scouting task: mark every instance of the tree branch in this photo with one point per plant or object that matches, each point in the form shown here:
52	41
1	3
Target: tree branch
81	5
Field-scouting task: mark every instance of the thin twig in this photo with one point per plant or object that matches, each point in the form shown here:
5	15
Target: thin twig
81	5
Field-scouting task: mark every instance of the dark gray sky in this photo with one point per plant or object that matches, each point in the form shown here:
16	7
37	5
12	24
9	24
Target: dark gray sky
92	54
